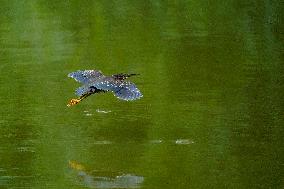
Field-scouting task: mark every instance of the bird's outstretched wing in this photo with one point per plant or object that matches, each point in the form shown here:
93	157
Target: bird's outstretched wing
123	90
85	76
128	91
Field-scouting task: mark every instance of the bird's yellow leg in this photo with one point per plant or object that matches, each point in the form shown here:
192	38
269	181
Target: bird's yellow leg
73	102
76	101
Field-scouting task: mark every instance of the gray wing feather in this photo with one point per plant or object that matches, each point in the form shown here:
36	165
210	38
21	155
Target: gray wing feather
130	92
122	90
85	76
82	90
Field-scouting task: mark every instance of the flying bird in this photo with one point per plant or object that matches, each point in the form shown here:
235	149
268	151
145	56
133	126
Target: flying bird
95	82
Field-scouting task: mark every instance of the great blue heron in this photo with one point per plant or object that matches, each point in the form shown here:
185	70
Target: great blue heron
95	82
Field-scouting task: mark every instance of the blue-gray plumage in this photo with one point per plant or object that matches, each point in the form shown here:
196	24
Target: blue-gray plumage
95	82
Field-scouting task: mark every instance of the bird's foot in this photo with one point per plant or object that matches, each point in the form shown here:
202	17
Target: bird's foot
73	102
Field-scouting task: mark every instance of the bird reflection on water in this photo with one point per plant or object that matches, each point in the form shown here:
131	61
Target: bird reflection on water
95	82
103	179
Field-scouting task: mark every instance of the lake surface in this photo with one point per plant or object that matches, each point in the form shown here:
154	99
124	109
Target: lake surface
212	77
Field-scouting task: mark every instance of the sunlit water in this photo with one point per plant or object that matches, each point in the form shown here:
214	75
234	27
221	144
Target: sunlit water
211	74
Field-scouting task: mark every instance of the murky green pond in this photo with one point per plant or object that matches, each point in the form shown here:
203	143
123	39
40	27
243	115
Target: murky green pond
211	74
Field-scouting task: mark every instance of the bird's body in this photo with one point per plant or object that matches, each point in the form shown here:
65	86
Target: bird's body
95	82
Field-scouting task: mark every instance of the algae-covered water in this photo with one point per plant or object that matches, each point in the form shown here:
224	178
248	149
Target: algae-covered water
211	74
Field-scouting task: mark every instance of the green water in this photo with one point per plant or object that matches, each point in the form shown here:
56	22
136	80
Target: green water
211	73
